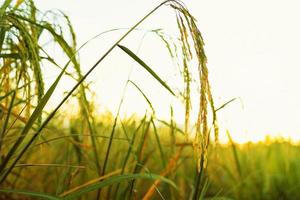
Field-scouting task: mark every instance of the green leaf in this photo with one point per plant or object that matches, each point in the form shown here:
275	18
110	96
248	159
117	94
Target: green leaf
145	66
225	104
4	6
144	95
116	179
32	194
10	55
159	144
37	111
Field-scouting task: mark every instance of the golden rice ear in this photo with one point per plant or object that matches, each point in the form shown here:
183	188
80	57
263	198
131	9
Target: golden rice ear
26	56
189	32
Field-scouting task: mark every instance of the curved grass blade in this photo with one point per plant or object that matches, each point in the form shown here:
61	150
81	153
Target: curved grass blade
169	125
145	66
32	194
235	155
3	129
144	95
129	151
162	155
117	179
225	104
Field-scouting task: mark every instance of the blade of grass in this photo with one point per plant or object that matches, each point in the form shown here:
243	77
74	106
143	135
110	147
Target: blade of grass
139	155
199	177
10	110
172	131
235	155
144	95
117	179
3	129
91	182
169	125
145	66
225	104
32	194
163	159
172	164
130	148
204	190
4	6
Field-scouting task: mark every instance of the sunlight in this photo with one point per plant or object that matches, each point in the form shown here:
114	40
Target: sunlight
147	100
242	64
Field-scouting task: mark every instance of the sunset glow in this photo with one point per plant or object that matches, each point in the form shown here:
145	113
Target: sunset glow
253	58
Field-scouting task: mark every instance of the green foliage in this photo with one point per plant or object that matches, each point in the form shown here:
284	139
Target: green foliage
114	180
267	171
32	194
104	156
145	66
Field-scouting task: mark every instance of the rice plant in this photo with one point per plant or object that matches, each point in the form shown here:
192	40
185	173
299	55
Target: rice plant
102	156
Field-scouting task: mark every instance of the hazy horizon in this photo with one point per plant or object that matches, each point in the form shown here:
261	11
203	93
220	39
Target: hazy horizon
252	49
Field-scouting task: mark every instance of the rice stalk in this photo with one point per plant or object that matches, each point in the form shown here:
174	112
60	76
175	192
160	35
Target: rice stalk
28	28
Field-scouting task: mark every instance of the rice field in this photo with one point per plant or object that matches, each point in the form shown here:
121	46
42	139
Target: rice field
48	153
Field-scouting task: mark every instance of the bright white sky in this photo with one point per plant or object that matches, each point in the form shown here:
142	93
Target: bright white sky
252	48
